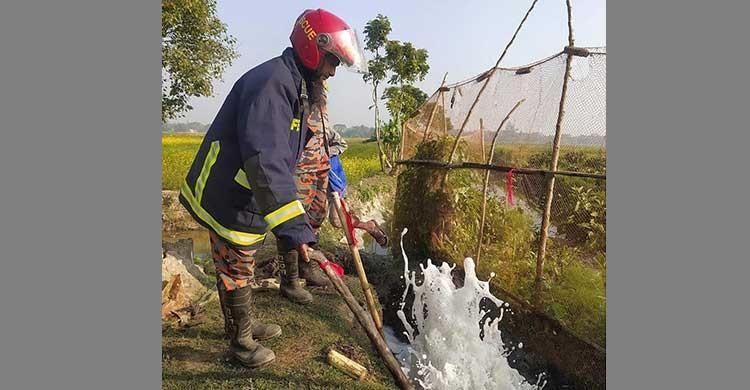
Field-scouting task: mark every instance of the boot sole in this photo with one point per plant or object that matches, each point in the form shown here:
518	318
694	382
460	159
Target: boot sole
254	365
304	302
309	284
297	301
268	337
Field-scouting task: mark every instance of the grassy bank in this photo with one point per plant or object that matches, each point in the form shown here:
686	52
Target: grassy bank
192	358
574	291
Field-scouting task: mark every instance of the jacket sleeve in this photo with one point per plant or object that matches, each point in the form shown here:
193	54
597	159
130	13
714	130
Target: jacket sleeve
263	137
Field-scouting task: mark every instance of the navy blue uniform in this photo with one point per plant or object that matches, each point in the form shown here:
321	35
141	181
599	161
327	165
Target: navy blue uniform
241	183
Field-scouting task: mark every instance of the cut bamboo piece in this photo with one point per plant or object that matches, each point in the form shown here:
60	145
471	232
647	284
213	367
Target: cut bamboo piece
349	366
372	332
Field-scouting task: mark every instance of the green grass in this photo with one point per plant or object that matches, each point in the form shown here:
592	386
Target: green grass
575	284
360	160
177	153
192	357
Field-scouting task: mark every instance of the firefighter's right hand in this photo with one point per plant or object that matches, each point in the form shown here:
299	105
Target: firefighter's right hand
303	251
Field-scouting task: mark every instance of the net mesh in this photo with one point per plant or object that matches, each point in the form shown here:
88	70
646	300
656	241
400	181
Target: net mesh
577	230
526	139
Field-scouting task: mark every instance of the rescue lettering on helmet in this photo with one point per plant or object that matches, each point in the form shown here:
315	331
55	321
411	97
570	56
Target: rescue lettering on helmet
307	28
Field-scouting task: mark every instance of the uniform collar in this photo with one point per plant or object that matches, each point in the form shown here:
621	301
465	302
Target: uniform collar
287	56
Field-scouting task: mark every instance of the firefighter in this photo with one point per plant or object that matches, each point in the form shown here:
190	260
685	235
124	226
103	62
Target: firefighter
319	173
241	183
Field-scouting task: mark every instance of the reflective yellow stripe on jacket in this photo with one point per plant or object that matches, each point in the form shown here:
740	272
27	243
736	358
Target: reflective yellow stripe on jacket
240	238
200	184
284	213
241	179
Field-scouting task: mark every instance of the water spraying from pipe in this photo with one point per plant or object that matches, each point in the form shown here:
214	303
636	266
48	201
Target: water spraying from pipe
456	343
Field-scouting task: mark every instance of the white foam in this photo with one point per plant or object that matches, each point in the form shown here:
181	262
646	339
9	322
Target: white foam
447	352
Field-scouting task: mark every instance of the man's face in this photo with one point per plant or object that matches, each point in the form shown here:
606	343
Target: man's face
328	66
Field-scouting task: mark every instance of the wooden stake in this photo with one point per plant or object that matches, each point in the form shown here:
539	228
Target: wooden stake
358	265
434	109
445	117
372	332
544	234
488	77
487	178
350	367
481	137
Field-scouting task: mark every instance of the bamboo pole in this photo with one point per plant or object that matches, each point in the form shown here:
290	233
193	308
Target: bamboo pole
403	140
487	77
349	366
550	190
481	137
377	129
445	117
369	326
434	109
358	265
487	177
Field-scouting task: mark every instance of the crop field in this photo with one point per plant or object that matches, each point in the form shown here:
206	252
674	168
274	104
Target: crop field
360	160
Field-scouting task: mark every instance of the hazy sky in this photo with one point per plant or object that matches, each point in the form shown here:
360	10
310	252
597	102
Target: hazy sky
463	38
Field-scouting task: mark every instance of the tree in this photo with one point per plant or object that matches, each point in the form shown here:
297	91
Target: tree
405	64
196	49
376	38
403	102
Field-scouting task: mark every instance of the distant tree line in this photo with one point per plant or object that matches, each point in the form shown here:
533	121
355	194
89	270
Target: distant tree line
512	135
186	127
360	131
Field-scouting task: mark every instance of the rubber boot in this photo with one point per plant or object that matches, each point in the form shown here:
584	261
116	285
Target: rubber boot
311	272
228	326
290	283
241	345
260	330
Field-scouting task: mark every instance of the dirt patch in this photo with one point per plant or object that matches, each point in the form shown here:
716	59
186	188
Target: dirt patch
174	217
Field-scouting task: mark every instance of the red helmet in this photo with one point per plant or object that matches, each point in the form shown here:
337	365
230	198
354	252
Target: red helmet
317	31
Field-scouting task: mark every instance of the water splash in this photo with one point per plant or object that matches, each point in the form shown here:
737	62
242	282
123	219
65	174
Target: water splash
457	345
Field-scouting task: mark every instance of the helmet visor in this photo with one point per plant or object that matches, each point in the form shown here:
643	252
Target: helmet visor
347	47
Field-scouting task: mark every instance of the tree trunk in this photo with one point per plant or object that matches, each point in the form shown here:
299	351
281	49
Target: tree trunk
377	128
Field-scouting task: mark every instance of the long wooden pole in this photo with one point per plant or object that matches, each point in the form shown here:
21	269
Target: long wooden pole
487	177
358	265
487	77
445	117
481	136
550	190
372	332
499	168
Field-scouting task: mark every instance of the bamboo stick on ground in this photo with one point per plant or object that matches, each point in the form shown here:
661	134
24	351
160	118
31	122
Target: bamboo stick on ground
369	326
343	363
